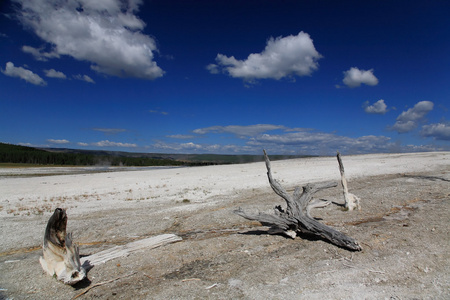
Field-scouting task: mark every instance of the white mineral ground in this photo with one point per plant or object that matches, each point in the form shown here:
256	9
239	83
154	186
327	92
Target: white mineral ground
134	199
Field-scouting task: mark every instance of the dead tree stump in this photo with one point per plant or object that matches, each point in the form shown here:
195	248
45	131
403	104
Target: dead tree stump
296	218
60	256
351	201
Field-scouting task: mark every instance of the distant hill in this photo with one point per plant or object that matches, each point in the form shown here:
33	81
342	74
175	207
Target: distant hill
64	156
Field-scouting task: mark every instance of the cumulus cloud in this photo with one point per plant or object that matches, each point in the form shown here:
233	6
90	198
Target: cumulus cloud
54	74
378	107
27	75
84	78
106	33
107	143
438	131
82	144
249	130
58	141
355	77
410	119
282	57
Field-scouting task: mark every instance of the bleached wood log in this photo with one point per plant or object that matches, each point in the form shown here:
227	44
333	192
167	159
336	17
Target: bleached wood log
61	257
352	202
124	250
296	218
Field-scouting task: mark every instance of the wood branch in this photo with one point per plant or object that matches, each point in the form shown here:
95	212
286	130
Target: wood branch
101	283
352	202
60	256
296	218
124	250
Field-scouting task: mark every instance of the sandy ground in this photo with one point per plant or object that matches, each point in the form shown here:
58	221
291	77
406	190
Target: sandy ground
403	228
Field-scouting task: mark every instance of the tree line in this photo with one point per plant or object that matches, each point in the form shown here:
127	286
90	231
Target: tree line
29	155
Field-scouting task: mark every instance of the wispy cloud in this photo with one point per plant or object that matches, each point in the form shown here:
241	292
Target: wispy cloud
191	147
55	74
355	77
39	54
294	55
107	143
106	33
282	139
63	141
110	131
322	142
24	74
238	130
438	131
378	107
410	119
84	78
181	136
27	144
159	112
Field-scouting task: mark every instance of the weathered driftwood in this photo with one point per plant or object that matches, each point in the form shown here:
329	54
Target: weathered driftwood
124	250
296	218
61	257
351	201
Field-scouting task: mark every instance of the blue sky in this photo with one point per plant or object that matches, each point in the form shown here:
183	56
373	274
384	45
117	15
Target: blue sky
230	77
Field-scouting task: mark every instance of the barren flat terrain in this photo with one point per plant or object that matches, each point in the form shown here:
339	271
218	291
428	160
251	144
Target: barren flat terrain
403	227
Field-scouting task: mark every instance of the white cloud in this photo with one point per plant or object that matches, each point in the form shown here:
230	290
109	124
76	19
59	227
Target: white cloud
24	74
54	74
410	119
282	57
107	143
313	142
181	136
27	144
58	141
201	148
82	144
249	130
213	68
110	130
84	78
106	33
438	131
354	77
39	54
378	107
290	141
